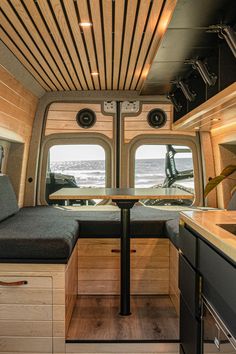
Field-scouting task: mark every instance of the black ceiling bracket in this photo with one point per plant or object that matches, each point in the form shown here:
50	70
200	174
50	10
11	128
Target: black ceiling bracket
225	32
201	67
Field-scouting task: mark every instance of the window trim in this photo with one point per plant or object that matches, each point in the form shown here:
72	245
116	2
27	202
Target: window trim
188	141
57	139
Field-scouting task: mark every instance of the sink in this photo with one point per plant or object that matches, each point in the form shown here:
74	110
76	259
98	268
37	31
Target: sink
229	227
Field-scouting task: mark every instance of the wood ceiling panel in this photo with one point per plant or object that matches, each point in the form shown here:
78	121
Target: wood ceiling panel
71	14
107	16
98	34
65	33
11	45
45	35
129	28
118	35
88	35
48	15
147	39
25	17
19	37
139	31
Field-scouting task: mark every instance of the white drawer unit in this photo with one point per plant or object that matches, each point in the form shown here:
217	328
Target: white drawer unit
26	314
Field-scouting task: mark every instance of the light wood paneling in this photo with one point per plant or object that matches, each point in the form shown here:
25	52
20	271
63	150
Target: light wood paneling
43	318
71	287
61	118
26	314
138	125
17	109
61	55
98	266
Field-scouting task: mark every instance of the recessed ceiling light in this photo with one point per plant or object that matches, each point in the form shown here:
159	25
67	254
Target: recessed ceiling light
215	119
94	73
85	24
196	128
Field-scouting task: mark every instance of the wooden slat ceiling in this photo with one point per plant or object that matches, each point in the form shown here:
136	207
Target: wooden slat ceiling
46	38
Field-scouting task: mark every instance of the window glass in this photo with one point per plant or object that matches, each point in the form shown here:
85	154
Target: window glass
75	166
164	166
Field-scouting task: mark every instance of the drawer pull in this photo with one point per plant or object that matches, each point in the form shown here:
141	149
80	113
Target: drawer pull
14	283
116	250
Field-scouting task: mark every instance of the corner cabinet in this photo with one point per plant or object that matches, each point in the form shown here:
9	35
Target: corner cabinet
26	314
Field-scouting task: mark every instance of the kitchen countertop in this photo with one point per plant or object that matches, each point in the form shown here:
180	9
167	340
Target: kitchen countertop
206	224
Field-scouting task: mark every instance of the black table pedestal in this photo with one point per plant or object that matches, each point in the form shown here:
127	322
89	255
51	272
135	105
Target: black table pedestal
125	206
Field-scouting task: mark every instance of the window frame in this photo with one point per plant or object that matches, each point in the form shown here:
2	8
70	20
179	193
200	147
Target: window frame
188	141
72	140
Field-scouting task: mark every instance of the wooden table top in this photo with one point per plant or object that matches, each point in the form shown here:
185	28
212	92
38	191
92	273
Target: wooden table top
120	193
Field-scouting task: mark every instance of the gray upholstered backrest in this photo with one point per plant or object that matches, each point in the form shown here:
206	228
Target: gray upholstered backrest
232	202
8	202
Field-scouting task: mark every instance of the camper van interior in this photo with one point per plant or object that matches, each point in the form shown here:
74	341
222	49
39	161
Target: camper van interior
117	176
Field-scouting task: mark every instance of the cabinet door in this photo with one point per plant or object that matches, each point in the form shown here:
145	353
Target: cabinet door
189	286
189	330
25	314
188	245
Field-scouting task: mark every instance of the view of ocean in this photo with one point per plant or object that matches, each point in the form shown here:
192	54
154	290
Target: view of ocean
91	173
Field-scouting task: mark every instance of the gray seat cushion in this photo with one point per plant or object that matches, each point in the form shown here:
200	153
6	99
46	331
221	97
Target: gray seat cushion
172	231
45	234
145	222
8	202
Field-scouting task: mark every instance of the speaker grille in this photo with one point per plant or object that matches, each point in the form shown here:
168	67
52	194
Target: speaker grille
86	118
156	118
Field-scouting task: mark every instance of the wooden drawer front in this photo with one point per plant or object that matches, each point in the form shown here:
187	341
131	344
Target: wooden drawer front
99	266
188	245
26	315
152	247
189	286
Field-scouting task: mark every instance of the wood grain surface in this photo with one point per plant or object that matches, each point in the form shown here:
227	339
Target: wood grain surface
120	193
97	317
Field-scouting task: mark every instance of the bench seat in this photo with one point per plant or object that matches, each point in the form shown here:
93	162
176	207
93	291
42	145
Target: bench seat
145	222
48	234
38	234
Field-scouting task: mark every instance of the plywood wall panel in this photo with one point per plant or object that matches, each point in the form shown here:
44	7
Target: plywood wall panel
61	118
17	110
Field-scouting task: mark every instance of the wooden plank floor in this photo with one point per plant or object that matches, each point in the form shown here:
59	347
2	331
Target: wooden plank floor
97	318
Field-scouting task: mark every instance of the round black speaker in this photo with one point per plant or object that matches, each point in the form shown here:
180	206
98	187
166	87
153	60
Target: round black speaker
86	118
156	118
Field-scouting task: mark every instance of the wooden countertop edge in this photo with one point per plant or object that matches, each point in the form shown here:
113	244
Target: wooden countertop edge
222	243
121	197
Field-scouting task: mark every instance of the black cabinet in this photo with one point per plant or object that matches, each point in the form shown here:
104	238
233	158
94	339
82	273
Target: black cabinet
190	334
189	285
204	271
